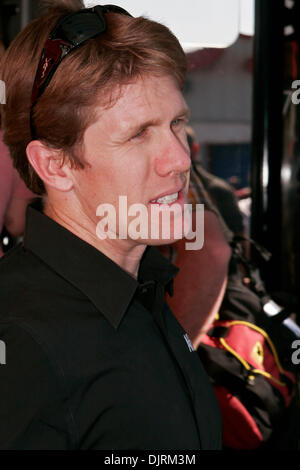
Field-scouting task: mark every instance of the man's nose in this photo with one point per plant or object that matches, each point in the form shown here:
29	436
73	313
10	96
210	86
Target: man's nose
174	157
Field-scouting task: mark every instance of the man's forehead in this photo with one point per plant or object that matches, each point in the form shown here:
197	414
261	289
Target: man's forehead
144	99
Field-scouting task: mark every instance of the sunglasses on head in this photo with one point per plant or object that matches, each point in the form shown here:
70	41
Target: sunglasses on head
70	32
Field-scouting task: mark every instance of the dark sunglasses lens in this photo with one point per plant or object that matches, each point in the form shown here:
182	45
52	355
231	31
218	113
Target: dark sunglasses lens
78	28
85	24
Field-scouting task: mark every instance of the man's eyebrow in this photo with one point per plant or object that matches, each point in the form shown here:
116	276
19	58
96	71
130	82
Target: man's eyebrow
141	125
186	113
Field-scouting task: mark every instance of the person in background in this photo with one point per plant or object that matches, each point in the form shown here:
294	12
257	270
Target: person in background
200	284
14	196
221	193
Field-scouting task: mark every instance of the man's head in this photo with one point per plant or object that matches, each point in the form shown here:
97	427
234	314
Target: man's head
90	76
110	123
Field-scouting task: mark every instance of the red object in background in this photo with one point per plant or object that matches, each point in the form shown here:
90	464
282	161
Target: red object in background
240	431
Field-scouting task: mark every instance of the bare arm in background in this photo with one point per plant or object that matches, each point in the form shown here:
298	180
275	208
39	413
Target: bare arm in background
200	285
14	195
14	218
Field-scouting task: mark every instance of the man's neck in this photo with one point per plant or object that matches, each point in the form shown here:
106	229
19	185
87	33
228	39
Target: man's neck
123	252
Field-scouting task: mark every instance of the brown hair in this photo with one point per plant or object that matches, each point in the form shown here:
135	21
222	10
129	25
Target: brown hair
130	48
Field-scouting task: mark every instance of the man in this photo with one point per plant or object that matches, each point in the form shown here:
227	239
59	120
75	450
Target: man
94	357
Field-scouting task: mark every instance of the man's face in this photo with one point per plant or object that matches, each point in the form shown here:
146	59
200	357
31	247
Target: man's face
138	149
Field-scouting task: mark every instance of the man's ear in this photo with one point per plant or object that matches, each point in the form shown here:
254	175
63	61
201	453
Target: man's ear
48	164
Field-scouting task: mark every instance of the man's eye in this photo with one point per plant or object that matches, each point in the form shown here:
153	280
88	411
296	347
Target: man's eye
141	133
177	122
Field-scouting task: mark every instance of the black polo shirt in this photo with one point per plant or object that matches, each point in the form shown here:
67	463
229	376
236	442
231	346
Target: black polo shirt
94	358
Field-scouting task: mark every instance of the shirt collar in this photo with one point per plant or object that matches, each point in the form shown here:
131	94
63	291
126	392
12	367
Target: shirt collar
106	284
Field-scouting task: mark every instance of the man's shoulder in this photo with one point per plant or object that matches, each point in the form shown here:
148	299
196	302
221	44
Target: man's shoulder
39	303
20	268
28	285
14	256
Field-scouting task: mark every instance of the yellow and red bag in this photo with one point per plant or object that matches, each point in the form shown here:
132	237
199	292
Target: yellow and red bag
252	388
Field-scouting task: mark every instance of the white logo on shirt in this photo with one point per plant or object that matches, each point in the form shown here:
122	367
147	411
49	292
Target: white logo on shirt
189	343
2	352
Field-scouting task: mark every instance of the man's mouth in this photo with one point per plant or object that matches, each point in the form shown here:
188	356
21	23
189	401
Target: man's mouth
168	199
